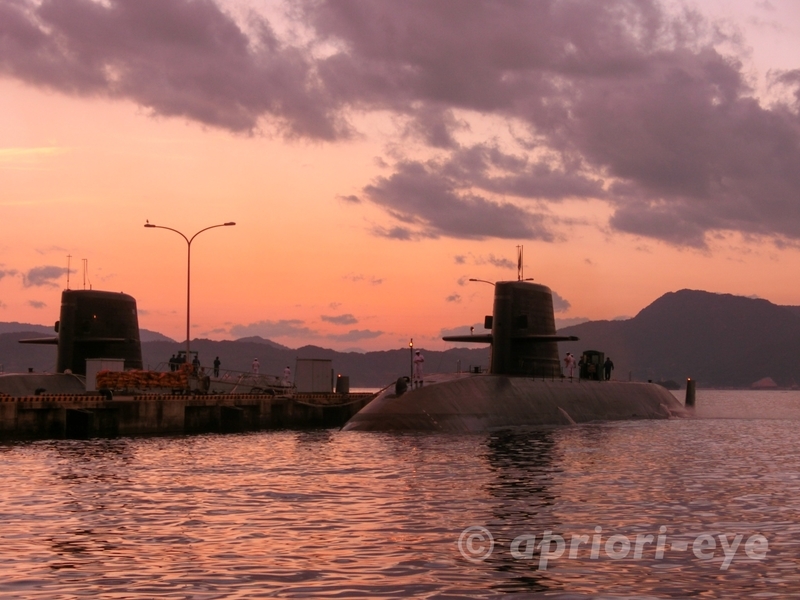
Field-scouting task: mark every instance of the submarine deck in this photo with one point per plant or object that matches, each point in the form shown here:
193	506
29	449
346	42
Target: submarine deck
479	402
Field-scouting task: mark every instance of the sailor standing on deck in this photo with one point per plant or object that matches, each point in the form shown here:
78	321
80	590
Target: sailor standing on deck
608	366
255	365
287	377
418	360
569	365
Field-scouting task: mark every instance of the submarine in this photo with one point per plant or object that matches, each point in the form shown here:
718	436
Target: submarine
92	324
523	387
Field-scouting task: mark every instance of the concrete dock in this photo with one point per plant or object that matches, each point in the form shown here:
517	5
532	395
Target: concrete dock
84	416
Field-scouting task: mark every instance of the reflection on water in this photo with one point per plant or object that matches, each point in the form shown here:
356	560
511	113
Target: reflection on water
350	514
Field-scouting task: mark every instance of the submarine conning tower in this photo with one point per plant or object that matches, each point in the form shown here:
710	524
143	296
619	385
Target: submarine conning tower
97	324
523	338
521	310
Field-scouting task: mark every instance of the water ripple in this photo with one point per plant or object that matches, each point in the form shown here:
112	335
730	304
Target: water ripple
361	515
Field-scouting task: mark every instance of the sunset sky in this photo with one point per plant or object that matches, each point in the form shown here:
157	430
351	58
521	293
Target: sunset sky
376	155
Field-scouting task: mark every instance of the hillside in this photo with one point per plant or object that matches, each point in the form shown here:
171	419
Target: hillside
18	358
717	339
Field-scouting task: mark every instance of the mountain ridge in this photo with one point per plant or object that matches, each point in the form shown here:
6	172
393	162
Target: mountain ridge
717	339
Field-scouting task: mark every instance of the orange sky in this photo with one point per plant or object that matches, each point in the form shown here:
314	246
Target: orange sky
80	174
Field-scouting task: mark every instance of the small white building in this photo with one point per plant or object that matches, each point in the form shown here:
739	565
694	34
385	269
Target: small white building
314	375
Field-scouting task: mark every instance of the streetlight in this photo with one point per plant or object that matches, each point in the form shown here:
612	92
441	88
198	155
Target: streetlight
188	268
482	281
411	358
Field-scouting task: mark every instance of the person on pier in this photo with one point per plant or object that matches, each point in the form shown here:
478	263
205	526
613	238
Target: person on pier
418	360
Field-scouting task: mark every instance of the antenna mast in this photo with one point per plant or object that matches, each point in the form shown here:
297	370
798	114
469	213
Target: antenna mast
69	257
519	264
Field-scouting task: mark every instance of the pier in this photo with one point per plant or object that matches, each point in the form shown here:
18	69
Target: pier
75	416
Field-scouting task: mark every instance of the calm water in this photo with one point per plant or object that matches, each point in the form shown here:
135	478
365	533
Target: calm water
346	515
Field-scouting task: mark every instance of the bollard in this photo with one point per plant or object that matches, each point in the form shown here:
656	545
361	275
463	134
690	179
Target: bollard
689	393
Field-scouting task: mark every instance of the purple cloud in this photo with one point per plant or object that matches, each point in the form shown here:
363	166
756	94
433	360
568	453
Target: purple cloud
185	58
503	263
354	335
43	276
431	204
346	319
269	329
622	102
369	279
560	304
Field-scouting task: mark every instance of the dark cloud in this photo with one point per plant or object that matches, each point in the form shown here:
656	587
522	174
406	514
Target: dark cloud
487	167
619	101
36	304
453	298
10	272
453	196
355	334
430	204
50	249
491	259
560	304
269	329
460	259
503	263
436	126
369	279
185	58
46	275
399	233
346	319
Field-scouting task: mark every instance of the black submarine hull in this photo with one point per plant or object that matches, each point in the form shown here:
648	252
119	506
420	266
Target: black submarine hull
524	386
476	403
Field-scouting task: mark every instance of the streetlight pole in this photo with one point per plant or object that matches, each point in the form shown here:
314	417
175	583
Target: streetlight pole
188	271
481	281
411	358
